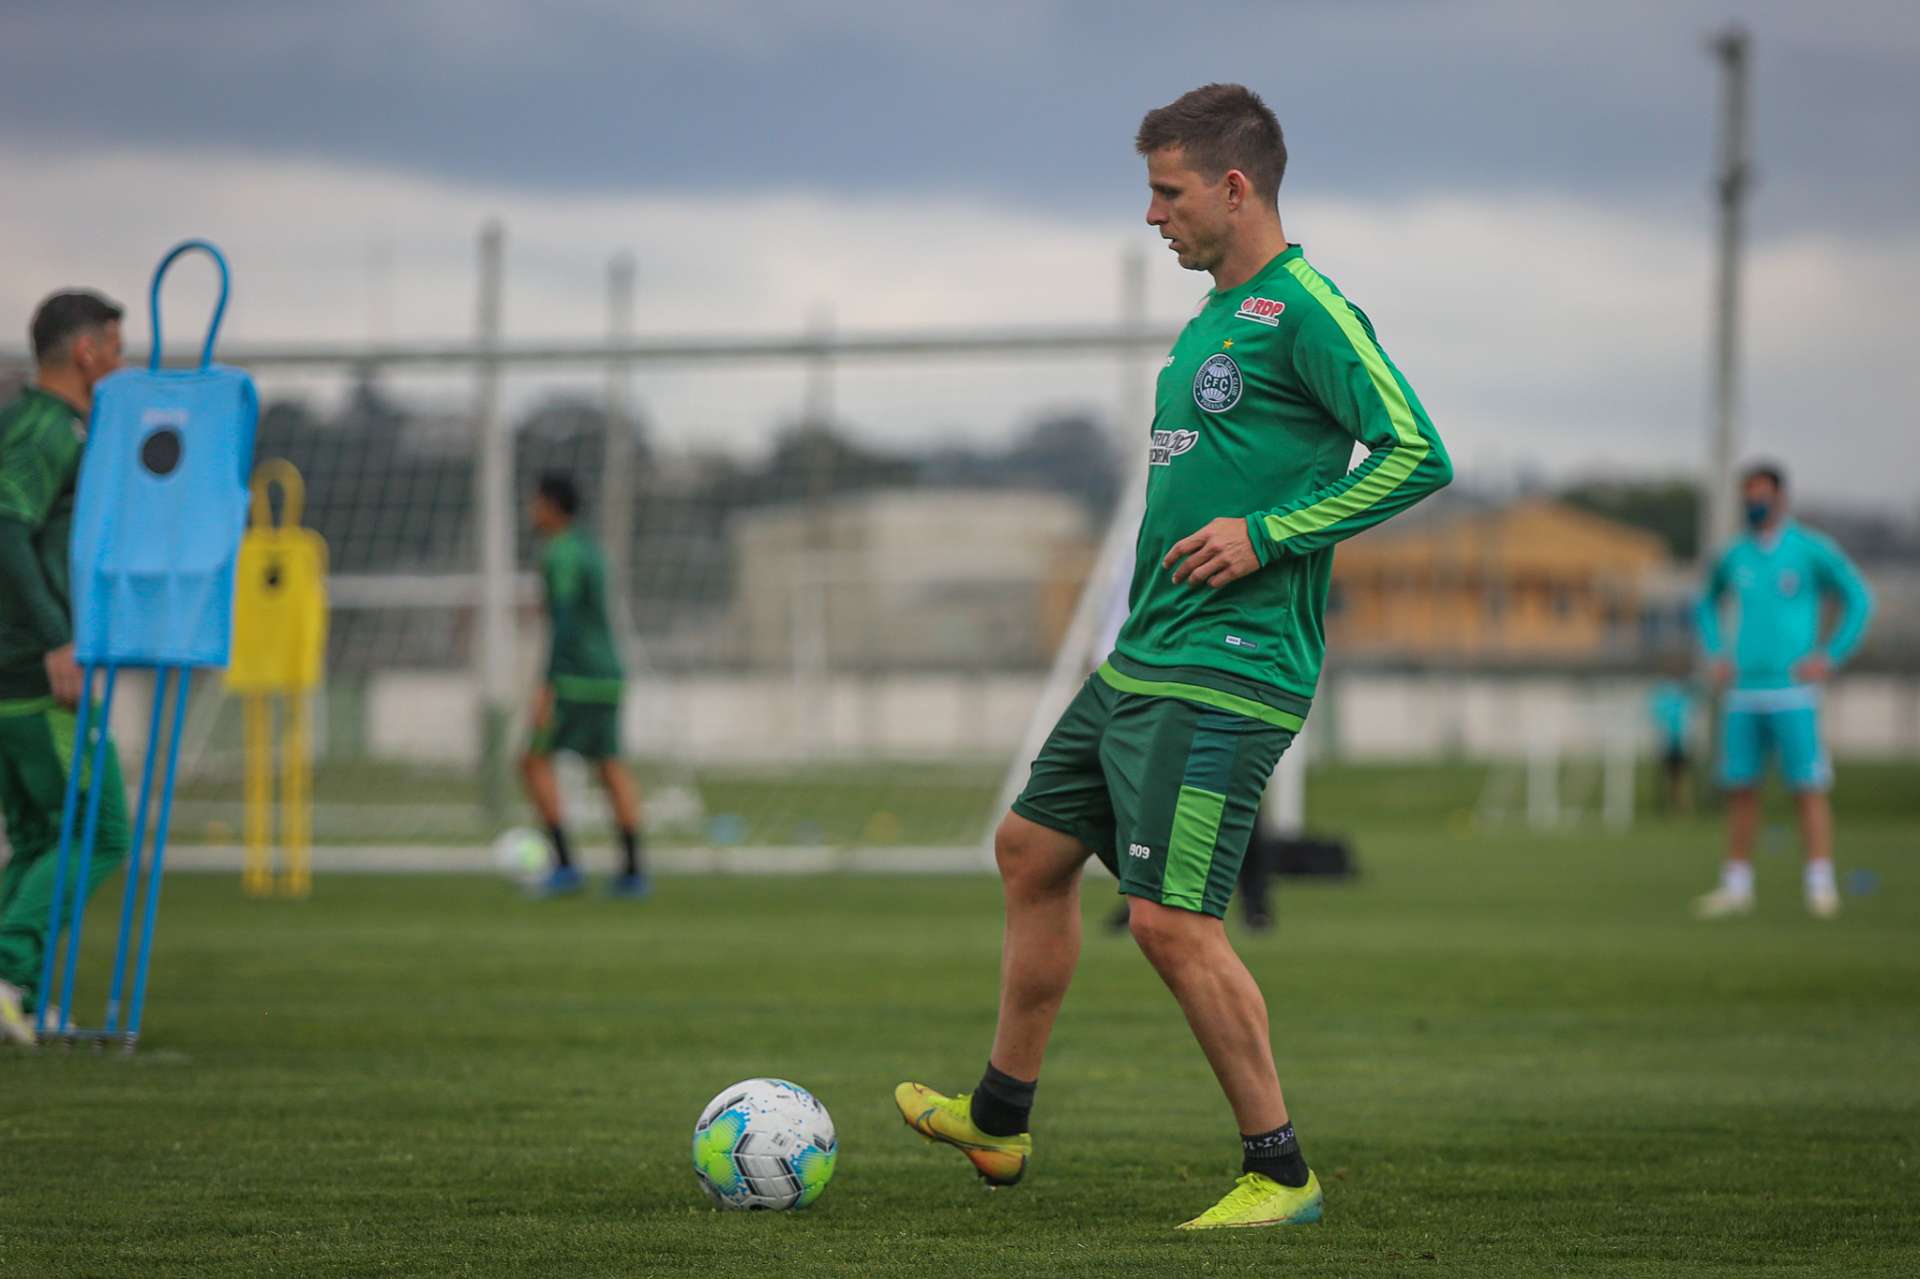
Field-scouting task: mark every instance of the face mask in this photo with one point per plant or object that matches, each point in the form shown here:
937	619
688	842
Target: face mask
1758	513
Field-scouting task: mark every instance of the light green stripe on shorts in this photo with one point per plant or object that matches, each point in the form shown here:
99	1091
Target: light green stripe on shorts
588	688
1231	702
1196	829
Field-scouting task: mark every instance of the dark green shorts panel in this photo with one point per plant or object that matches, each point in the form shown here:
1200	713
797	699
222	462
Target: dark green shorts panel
1165	791
590	730
1205	772
1066	789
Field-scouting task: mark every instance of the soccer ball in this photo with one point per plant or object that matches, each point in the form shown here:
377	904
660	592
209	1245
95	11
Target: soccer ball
521	855
764	1143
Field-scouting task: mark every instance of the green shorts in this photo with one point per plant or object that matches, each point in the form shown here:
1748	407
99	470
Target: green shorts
36	749
590	730
1163	790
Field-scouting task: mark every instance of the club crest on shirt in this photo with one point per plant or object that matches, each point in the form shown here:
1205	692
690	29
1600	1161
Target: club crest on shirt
1168	445
1217	385
1261	311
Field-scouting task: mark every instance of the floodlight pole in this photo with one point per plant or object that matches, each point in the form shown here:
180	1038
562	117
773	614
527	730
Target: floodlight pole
616	478
1732	182
493	528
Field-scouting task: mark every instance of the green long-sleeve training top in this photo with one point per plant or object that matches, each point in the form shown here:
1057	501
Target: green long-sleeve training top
40	444
1256	415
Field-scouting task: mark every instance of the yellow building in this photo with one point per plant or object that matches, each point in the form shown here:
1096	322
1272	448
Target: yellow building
1533	580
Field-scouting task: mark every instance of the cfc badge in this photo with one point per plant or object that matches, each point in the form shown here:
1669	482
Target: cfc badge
1216	387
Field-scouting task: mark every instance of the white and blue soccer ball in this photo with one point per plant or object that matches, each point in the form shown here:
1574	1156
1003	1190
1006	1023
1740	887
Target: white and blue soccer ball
522	855
764	1144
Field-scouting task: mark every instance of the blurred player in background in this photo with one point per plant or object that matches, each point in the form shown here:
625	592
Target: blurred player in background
1779	574
578	706
1158	765
1670	703
76	342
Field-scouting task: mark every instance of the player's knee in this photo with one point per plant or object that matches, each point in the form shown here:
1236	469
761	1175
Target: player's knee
1025	855
1012	850
1163	933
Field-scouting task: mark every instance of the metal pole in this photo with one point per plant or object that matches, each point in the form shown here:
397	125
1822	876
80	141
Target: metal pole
131	897
998	343
1135	392
1732	181
1113	566
493	519
89	836
63	859
814	579
616	477
154	876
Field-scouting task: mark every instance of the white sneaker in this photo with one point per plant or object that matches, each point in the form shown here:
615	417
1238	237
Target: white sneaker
1823	902
15	1026
1722	904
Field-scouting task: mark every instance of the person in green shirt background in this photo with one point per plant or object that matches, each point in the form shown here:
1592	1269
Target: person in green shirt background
578	706
43	430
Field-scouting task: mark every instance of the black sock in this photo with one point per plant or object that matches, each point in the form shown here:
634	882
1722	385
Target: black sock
1275	1154
630	845
562	855
1002	1104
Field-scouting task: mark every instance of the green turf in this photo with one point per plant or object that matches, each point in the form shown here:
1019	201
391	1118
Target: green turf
1506	1056
891	803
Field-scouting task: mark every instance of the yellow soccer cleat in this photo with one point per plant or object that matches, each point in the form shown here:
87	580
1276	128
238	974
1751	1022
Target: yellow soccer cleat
1000	1161
15	1025
1259	1200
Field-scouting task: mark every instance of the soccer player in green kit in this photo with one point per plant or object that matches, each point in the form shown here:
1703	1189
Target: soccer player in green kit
578	706
76	342
1158	765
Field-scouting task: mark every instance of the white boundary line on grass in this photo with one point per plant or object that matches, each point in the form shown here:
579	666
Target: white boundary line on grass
463	859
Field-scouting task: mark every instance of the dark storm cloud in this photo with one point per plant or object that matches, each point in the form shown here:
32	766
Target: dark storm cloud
1033	102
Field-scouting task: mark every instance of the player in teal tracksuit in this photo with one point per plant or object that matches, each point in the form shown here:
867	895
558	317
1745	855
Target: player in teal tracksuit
1780	576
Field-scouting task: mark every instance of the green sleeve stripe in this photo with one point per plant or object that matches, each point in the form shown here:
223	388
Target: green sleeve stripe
25	706
1405	458
1196	829
1202	695
14	502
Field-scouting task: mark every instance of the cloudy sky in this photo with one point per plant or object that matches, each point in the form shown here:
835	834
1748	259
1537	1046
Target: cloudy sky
1516	191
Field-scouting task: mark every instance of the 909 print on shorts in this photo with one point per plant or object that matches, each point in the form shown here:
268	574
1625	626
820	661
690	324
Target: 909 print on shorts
1162	789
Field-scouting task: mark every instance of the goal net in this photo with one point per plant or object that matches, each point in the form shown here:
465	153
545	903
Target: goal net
841	592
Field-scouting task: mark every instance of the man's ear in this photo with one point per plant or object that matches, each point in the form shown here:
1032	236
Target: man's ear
1239	190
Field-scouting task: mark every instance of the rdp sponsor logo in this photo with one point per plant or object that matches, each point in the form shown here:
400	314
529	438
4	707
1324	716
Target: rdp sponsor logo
1261	311
1168	445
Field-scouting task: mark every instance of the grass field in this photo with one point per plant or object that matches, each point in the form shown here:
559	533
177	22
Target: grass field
896	803
1506	1056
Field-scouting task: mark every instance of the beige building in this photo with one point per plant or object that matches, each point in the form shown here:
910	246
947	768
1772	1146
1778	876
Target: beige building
908	578
1533	580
